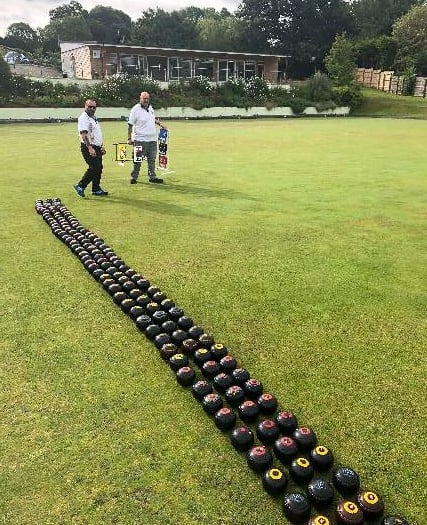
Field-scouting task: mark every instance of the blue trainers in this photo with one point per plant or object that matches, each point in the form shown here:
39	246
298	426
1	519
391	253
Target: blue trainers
80	191
100	193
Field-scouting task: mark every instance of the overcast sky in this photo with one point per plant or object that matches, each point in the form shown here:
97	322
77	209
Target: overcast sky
36	12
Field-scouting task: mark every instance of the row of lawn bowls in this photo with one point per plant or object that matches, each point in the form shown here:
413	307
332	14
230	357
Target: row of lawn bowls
236	401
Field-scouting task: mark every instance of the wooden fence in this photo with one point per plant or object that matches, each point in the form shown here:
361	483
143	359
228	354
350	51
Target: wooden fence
388	81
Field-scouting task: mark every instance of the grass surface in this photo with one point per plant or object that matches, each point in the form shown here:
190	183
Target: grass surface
300	244
381	104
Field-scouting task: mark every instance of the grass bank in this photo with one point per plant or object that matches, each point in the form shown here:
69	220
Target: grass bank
380	104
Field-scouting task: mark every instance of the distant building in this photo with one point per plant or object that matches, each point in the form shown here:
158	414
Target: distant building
92	60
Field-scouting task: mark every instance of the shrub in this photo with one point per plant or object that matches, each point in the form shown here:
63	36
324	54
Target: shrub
319	87
350	95
298	105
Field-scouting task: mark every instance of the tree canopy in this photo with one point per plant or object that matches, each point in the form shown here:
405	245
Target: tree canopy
410	32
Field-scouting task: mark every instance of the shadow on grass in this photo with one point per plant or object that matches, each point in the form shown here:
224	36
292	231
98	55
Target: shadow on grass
141	200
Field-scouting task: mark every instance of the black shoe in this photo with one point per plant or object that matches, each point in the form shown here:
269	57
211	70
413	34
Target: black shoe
133	181
100	193
156	180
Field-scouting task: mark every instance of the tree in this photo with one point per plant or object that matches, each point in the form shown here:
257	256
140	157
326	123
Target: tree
72	28
377	52
110	25
161	29
304	29
21	36
410	32
5	77
220	31
340	63
63	11
376	17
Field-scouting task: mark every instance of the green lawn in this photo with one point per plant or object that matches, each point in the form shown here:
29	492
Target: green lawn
300	244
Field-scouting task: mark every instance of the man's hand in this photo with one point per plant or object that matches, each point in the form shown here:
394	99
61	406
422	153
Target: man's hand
103	150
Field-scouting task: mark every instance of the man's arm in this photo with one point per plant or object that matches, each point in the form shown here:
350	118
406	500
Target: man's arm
85	138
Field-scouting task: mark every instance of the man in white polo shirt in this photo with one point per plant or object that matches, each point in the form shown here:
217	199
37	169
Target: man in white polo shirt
92	149
142	132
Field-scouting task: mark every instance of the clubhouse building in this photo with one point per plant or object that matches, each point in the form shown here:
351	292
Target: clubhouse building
93	60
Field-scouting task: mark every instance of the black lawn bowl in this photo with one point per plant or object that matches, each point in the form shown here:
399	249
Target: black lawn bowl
142	284
161	340
109	282
248	411
167	304
222	381
225	419
128	286
168	326
177	361
322	458
235	395
305	438
142	322
118	297
218	350
301	470
130	273
267	431
240	376
152	290
151	331
320	493
189	346
201	355
371	504
175	313
274	481
168	350
121	280
185	322
259	458
158	297
287	422
143	300
253	388
127	304
346	481
212	403
210	369
267	403
319	519
179	336
394	520
113	287
228	363
195	332
159	317
201	389
152	307
348	513
134	293
285	449
206	341
185	376
296	507
242	438
136	311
